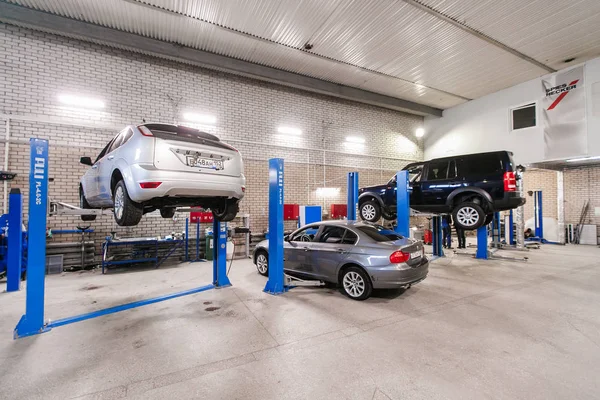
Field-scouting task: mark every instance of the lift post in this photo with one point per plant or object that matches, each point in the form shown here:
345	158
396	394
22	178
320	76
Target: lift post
276	284
482	243
352	195
15	241
538	214
437	240
402	204
220	278
33	321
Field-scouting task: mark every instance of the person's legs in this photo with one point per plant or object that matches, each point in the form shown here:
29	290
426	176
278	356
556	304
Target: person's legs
445	233
461	239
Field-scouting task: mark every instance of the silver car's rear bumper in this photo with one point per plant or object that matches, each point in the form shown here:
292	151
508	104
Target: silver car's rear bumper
393	277
182	184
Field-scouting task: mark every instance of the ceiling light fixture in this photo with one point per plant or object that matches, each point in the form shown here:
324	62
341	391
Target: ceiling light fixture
200	118
584	159
420	132
355	139
78	101
287	130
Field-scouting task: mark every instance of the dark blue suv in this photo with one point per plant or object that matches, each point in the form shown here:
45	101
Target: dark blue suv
470	187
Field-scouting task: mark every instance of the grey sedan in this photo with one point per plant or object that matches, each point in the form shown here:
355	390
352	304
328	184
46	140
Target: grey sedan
356	255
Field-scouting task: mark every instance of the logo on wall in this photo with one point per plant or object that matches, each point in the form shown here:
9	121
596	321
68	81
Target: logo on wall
563	90
563	115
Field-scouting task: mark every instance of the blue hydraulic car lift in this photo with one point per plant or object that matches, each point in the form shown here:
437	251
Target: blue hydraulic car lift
14	267
32	322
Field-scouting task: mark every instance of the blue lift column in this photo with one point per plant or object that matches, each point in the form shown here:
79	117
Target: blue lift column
402	204
482	243
352	195
220	278
511	233
276	285
437	237
33	321
539	216
15	241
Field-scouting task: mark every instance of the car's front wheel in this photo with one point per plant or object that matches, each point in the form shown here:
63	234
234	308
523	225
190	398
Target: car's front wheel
226	211
370	211
127	212
262	263
83	204
355	283
468	216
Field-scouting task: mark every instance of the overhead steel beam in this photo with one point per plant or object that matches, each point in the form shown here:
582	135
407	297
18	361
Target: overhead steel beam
475	32
40	20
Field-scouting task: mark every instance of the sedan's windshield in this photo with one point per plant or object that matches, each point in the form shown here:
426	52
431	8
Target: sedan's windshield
379	233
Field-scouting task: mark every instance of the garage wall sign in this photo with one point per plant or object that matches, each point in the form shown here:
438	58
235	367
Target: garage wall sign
563	115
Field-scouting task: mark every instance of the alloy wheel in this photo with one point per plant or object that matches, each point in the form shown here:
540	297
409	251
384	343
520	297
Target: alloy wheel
467	216
119	200
354	284
368	212
262	263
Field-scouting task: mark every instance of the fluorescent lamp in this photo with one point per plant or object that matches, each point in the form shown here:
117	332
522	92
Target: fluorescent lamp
584	159
355	139
328	191
200	118
288	130
78	101
420	132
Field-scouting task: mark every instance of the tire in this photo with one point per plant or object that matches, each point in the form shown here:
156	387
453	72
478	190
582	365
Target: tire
355	283
468	216
86	206
370	211
488	219
228	213
262	263
167	212
388	215
127	212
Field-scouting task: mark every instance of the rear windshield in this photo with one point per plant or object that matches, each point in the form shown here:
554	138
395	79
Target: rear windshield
379	234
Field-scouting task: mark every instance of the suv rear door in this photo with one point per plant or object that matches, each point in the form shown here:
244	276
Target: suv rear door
485	171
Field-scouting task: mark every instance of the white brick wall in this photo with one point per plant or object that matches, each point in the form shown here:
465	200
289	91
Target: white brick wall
36	67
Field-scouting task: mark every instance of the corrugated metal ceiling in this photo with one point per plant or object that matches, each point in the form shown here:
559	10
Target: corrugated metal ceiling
384	46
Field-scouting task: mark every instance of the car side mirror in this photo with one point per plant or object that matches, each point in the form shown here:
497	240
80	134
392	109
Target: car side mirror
286	238
86	161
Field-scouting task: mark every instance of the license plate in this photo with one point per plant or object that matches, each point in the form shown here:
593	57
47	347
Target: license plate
208	163
415	254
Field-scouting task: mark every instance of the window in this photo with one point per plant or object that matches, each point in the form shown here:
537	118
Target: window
523	117
437	170
414	172
103	152
452	170
305	235
332	234
378	233
350	237
127	136
480	165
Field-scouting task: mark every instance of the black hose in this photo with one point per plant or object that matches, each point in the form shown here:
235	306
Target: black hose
231	261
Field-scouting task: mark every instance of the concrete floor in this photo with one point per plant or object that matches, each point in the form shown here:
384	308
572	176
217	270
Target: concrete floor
495	329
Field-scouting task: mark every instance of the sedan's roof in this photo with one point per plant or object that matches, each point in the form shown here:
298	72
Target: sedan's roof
340	222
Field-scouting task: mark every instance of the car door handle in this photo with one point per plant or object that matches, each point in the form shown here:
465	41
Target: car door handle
307	249
341	251
110	157
94	167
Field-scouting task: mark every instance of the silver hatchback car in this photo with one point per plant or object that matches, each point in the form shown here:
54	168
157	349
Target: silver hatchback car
162	166
358	256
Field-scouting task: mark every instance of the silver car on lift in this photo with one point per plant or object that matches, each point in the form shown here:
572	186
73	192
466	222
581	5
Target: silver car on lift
162	166
359	256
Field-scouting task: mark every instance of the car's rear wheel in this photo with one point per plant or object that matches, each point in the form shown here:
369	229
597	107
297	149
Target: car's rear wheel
355	283
468	216
167	212
370	211
226	211
262	263
85	205
127	212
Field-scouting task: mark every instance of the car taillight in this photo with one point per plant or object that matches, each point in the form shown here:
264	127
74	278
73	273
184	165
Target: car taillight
399	256
149	185
243	189
145	131
510	182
